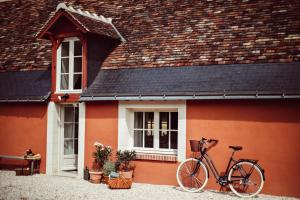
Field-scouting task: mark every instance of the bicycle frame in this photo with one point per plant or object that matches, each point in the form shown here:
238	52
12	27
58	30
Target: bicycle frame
222	180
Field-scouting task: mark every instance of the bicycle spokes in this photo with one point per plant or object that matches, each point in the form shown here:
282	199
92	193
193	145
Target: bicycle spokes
191	175
245	179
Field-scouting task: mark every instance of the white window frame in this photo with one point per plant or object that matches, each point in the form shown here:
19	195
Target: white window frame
71	67
156	132
126	125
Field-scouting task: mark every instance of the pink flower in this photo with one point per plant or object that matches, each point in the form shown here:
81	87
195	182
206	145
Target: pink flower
97	144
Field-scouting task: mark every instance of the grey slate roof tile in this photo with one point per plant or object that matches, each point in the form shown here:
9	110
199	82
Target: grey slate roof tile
25	86
213	79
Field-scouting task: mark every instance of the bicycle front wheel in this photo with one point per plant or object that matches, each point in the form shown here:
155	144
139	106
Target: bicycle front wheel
192	175
245	179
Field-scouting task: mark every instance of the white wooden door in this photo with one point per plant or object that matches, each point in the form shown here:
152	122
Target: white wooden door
69	133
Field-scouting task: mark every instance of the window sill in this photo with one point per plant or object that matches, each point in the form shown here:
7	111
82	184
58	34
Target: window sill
156	157
68	91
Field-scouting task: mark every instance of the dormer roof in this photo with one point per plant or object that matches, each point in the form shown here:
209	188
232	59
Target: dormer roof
84	21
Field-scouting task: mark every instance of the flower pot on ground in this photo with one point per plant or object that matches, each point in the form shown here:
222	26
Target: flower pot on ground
95	176
108	167
124	164
101	155
104	179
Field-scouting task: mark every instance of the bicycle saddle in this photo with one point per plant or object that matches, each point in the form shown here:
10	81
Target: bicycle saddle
236	148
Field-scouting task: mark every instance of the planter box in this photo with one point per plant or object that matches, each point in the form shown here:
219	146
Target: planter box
120	183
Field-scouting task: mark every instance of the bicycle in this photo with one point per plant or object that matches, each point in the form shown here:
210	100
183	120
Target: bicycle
240	175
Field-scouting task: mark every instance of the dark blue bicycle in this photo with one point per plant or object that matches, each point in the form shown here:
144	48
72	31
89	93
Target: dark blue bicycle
244	176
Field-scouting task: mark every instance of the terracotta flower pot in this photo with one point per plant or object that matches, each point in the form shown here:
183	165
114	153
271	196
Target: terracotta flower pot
104	179
126	174
95	177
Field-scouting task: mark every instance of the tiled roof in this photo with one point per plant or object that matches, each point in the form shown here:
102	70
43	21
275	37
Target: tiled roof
97	27
25	86
163	33
248	80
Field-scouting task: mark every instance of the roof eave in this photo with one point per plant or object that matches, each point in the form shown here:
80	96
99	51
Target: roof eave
42	99
188	97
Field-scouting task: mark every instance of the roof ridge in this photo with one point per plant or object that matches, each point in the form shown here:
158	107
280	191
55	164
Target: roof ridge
90	15
84	13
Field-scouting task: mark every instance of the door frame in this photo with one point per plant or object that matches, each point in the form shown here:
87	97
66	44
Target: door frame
62	167
53	145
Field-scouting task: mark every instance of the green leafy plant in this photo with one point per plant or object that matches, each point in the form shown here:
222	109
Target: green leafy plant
101	154
124	158
108	167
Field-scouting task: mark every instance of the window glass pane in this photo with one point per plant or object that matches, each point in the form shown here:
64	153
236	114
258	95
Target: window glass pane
64	82
68	147
163	120
64	49
174	120
77	81
65	65
69	114
68	130
76	147
77	64
77	48
138	138
149	139
149	120
164	139
174	140
138	120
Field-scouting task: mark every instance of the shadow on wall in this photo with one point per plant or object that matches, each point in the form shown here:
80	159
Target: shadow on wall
37	110
99	48
247	110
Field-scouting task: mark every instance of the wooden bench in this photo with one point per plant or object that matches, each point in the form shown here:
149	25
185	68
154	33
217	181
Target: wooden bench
30	159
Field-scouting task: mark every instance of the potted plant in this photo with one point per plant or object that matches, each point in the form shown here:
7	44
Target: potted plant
101	154
108	167
123	163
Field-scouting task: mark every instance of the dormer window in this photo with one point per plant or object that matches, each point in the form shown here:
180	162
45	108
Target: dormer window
72	32
69	66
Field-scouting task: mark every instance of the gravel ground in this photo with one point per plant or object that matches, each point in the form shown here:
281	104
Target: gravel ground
56	187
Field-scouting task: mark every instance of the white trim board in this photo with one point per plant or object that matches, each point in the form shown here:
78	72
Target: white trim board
81	140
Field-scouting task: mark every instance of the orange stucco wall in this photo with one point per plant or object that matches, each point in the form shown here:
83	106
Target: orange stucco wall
102	126
268	130
22	126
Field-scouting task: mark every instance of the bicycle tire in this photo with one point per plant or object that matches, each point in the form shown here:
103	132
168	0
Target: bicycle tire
238	178
189	182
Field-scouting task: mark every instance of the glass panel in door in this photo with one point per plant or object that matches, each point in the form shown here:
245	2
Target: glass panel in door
70	136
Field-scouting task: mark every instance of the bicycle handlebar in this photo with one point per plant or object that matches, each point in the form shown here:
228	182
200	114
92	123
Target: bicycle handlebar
209	140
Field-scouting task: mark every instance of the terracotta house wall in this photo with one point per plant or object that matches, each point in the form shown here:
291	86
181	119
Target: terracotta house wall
102	126
268	130
23	126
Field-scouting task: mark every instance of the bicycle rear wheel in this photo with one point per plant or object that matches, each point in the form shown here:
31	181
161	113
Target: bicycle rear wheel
245	179
192	175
